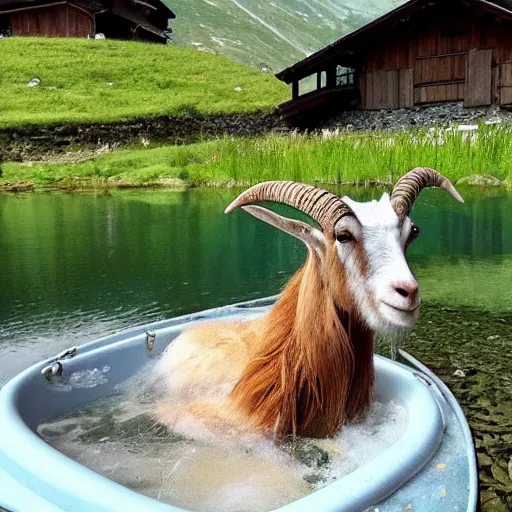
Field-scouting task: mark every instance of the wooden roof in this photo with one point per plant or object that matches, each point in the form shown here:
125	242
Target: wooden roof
90	5
346	48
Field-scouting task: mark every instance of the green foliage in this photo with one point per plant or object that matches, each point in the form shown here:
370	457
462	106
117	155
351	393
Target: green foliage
355	158
96	80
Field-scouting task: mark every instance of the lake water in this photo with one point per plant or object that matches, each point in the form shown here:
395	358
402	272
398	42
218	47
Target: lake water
74	267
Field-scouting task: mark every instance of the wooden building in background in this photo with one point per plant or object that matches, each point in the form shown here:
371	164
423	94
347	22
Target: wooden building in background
145	20
423	52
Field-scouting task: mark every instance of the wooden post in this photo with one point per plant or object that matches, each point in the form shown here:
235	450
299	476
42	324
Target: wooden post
295	90
331	76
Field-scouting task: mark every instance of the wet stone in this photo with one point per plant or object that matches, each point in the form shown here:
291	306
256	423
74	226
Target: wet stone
314	479
310	454
136	428
480	180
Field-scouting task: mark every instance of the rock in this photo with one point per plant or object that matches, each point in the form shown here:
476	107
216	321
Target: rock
491	338
484	459
100	35
500	475
238	89
313	478
310	454
480	180
34	82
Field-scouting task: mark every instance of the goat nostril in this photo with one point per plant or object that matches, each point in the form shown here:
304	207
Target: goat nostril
402	292
407	290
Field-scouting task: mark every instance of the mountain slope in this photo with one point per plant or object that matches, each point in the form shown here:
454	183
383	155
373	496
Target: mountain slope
271	34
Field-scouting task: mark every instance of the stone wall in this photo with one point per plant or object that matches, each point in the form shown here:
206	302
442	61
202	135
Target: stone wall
34	142
434	115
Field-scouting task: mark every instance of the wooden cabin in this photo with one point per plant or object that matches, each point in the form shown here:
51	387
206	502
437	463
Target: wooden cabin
423	52
144	20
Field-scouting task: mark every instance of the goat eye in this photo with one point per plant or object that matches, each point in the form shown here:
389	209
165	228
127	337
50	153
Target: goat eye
415	231
344	237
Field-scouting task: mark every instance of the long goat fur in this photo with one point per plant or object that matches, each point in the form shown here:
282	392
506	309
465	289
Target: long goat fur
305	369
314	369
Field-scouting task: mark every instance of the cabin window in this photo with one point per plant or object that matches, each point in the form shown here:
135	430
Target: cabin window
344	76
307	84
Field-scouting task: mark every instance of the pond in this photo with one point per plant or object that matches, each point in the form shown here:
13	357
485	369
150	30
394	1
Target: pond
77	266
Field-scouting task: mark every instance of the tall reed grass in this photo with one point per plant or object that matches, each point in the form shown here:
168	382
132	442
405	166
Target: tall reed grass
362	157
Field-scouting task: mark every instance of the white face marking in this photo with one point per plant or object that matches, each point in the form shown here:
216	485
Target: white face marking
383	286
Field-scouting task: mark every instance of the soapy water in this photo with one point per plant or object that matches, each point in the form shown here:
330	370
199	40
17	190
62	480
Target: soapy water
120	438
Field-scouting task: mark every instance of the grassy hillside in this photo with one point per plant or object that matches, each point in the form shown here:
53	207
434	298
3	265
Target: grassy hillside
98	80
273	33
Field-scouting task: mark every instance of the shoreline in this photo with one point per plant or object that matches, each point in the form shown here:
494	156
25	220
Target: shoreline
87	186
481	158
171	185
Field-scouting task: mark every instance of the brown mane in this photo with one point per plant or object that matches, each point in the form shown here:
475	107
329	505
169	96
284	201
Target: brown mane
314	369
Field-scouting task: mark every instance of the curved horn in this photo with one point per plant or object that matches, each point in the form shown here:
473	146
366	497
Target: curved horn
318	203
409	186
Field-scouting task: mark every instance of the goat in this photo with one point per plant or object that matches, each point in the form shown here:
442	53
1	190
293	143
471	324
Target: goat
306	368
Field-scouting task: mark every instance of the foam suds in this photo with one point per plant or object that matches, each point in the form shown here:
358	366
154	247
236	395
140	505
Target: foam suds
119	438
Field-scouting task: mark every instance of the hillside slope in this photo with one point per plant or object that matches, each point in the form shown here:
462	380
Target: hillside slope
272	34
97	80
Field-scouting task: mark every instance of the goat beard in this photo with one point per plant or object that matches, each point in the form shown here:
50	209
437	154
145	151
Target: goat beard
314	371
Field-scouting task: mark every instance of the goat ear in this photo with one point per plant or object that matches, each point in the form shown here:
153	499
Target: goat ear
310	235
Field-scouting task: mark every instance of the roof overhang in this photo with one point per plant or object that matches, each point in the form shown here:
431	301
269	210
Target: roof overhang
140	23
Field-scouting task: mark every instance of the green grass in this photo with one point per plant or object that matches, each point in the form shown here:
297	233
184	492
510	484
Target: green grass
345	158
148	80
357	157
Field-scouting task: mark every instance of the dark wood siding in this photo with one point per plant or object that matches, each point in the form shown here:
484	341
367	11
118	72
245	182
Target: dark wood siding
438	93
442	68
57	21
436	61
